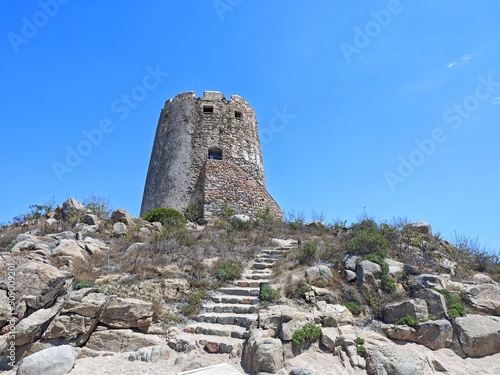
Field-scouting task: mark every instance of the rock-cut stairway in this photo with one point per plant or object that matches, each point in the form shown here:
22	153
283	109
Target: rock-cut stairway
224	323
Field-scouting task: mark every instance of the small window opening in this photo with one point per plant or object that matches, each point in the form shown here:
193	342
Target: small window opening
215	154
238	115
208	109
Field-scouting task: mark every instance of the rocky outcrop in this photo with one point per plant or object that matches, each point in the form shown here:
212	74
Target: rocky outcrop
262	353
484	297
39	284
478	335
317	274
127	313
368	275
332	315
121	340
414	307
434	334
436	303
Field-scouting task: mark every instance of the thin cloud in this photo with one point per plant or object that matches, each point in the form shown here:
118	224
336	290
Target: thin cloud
495	100
462	60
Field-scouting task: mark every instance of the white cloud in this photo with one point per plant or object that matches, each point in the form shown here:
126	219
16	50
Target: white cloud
495	100
451	64
462	60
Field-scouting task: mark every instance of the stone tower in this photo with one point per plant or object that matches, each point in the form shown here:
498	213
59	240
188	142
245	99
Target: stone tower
207	151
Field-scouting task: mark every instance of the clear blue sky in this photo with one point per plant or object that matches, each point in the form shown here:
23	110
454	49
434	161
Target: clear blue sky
392	107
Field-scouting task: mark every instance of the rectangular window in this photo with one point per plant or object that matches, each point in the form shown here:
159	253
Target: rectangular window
215	154
238	115
208	109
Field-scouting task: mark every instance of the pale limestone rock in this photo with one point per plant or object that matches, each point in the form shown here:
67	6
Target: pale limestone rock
435	334
121	340
478	335
127	313
58	360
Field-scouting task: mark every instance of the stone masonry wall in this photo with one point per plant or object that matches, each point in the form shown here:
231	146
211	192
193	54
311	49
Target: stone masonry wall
227	184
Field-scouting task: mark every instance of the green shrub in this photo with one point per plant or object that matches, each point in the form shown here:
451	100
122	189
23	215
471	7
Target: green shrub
309	332
355	307
166	216
194	300
193	212
367	237
304	289
455	305
307	253
227	212
268	293
230	270
359	341
407	320
361	351
85	284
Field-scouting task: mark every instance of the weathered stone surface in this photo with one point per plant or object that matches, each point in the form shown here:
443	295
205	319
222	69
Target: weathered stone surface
350	262
396	269
39	284
480	278
58	360
240	217
269	356
414	307
249	357
69	253
31	328
403	333
349	275
4	308
368	274
121	216
436	303
395	360
90	219
127	313
484	297
153	354
478	335
66	235
121	340
169	289
319	273
427	281
332	315
119	229
71	210
329	335
84	302
435	334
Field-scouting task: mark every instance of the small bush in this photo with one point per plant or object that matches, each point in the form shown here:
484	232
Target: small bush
268	293
367	238
407	320
355	307
193	212
166	216
85	284
361	351
309	332
303	290
230	270
359	341
98	205
194	300
307	254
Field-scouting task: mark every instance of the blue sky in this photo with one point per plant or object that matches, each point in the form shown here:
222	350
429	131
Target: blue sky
389	107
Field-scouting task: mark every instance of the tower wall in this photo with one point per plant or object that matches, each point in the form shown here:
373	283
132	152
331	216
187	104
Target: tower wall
187	129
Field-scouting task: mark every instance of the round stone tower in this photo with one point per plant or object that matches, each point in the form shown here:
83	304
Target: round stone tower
207	151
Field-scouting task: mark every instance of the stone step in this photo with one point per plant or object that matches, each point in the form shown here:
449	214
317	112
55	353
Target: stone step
265	260
258	276
212	344
215	329
261	266
244	300
242	320
240	291
250	283
229	308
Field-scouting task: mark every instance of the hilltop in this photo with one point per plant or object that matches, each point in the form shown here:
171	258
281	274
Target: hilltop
89	290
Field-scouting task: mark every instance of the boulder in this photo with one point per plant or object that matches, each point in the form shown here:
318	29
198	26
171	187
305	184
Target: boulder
121	340
127	313
90	219
329	336
119	229
349	275
152	355
66	235
478	335
71	210
396	360
402	333
427	281
484	297
4	308
396	269
350	262
480	278
269	356
31	328
239	217
121	216
39	284
317	274
436	303
58	360
332	315
414	307
69	253
368	274
435	334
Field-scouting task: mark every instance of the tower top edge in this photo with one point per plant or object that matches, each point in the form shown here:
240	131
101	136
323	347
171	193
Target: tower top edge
208	95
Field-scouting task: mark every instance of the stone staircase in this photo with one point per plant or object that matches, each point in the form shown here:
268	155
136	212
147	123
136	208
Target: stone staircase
224	324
